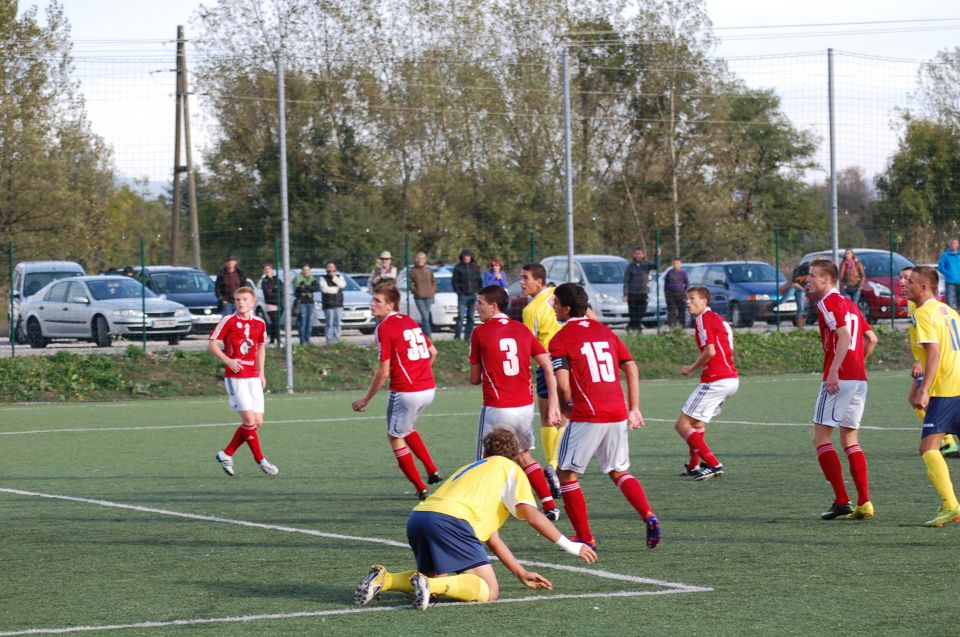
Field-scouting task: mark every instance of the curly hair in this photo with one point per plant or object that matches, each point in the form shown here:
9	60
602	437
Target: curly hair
501	442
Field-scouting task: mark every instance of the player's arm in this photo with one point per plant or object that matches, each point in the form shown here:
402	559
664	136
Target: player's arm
708	352
922	397
379	378
503	553
261	362
475	373
869	343
433	353
563	387
553	399
214	348
840	352
632	372
544	527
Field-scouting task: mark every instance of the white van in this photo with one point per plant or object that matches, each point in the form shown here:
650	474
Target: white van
29	277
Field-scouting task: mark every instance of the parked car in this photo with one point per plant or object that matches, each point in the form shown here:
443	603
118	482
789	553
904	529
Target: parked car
259	309
100	308
356	307
28	278
742	291
443	312
362	279
883	294
188	286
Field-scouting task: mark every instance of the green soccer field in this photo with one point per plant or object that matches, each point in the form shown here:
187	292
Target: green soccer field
115	516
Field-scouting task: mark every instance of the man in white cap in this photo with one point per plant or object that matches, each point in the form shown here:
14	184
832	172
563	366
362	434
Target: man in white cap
384	272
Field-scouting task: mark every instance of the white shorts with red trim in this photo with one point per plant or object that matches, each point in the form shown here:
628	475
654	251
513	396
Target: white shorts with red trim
244	394
403	409
707	399
843	409
519	419
606	440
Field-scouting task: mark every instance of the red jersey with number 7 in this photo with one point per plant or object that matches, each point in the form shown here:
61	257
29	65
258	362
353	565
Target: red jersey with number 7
592	354
835	311
401	341
503	348
710	329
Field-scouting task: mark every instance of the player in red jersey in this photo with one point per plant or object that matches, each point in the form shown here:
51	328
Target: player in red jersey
586	356
500	353
718	381
406	358
847	341
243	355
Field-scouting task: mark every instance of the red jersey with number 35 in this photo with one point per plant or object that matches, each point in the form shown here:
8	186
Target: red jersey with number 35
593	355
503	348
241	338
401	341
834	311
711	329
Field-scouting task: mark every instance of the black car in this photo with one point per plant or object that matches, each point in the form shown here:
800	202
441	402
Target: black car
190	287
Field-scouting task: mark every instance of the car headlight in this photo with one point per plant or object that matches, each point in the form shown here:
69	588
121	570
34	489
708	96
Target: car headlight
603	297
758	297
182	312
130	313
879	289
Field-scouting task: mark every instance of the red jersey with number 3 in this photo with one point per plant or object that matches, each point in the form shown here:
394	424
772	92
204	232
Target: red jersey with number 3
711	329
835	311
503	348
401	341
241	338
593	355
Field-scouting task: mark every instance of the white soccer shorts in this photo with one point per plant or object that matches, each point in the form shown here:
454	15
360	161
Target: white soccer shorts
606	440
843	409
707	399
519	419
403	409
244	394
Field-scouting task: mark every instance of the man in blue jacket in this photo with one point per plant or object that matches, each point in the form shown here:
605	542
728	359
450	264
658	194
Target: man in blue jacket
949	267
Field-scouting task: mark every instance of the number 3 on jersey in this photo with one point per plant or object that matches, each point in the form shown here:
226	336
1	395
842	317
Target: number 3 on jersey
511	364
418	344
600	361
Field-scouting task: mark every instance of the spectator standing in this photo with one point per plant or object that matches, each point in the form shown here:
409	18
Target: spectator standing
852	276
384	272
229	280
636	281
675	284
796	288
331	291
466	281
424	287
271	286
304	287
495	274
949	267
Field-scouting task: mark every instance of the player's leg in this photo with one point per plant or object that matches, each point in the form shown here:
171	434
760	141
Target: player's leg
549	436
579	443
417	404
940	411
477	584
823	427
380	580
520	420
399	425
684	427
613	454
851	400
443	544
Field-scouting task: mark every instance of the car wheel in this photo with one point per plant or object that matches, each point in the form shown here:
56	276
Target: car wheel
736	315
35	334
101	332
367	330
173	340
864	306
21	333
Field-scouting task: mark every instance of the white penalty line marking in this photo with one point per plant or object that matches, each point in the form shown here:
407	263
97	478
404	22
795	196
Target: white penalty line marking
667	588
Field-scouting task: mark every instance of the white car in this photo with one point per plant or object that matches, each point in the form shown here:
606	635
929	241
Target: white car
443	312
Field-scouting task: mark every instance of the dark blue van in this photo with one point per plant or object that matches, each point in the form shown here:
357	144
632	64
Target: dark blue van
742	291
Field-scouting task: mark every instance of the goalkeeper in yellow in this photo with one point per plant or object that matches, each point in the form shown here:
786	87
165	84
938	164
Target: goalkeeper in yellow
938	334
447	532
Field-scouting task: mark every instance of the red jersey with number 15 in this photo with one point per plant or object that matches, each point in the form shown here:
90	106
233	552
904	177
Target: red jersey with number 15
835	311
503	348
593	355
241	338
711	329
401	341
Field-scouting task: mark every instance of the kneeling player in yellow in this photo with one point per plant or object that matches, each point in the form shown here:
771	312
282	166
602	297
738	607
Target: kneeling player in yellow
447	531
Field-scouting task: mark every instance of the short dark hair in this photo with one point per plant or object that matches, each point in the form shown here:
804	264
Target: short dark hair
329	262
928	275
501	442
536	271
701	291
827	267
389	293
495	294
573	296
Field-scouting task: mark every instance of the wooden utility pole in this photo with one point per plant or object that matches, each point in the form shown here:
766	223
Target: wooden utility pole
183	124
177	168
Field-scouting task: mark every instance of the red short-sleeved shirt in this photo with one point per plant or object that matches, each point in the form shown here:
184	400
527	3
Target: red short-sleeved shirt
710	328
401	341
593	355
503	348
241	338
833	312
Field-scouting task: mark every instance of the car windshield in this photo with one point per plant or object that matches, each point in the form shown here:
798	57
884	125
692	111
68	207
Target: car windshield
604	271
878	263
753	273
180	282
33	281
117	288
444	284
351	284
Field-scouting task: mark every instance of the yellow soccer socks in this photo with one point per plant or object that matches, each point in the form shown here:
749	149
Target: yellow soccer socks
550	436
464	587
939	475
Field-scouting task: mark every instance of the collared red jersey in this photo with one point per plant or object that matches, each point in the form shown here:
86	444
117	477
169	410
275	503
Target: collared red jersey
710	328
401	341
592	354
503	348
539	317
939	323
833	312
241	338
484	494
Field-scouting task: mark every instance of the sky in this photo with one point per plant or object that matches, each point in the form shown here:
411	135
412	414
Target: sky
878	46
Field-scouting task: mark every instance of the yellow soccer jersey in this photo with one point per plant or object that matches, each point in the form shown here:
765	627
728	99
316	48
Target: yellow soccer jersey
938	323
540	318
915	348
484	494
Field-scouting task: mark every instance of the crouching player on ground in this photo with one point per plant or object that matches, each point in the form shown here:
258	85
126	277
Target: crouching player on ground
243	356
500	353
718	381
448	529
586	359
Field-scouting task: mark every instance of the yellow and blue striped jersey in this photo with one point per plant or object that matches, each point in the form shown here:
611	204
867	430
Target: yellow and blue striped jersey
938	323
483	494
539	317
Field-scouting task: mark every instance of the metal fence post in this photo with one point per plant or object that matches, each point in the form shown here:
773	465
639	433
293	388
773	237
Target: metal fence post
776	256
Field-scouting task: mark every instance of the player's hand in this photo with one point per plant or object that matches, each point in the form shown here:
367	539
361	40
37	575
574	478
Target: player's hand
263	381
921	399
635	419
536	580
587	554
686	369
234	365
917	370
832	383
358	405
554	417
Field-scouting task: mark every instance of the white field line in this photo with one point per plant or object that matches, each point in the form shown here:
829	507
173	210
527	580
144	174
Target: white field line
667	588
